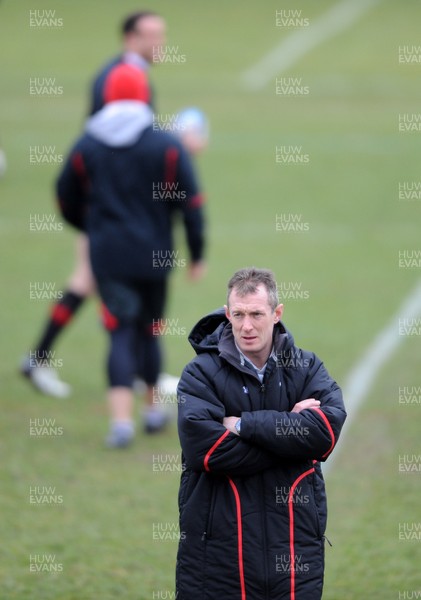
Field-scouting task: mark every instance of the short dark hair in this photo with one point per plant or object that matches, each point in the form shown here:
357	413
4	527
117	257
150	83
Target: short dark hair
246	281
130	22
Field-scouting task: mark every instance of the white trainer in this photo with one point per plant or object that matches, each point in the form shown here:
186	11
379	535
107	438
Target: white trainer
45	380
166	383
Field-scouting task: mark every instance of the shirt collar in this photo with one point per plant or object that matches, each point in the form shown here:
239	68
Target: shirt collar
260	372
132	58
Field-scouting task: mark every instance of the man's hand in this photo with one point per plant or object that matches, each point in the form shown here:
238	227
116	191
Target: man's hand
197	270
309	403
229	423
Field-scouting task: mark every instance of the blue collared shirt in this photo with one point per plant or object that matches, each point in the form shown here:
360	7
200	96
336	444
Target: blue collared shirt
259	372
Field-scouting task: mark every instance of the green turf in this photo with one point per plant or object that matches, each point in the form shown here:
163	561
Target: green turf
101	534
375	553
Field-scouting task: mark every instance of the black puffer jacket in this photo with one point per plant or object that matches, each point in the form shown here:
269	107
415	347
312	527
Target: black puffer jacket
253	508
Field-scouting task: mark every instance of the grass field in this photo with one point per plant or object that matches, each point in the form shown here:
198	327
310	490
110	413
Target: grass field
100	530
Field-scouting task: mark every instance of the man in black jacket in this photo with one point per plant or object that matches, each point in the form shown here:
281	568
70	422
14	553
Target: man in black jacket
257	415
143	37
124	183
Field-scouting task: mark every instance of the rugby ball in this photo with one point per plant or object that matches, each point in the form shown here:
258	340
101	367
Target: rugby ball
192	127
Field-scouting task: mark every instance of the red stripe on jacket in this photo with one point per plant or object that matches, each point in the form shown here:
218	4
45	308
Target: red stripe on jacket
329	428
212	450
240	538
171	157
79	168
196	201
291	528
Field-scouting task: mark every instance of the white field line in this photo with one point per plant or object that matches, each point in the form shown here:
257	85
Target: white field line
362	376
338	18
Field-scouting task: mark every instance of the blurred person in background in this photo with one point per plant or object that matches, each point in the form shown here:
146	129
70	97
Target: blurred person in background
106	188
144	35
257	415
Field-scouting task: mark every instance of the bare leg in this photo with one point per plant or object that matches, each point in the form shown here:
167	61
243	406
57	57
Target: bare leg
120	402
81	281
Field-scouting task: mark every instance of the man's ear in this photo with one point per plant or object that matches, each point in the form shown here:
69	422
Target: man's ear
227	312
279	310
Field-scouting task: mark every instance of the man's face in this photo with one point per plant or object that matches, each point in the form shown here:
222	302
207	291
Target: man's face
252	320
149	37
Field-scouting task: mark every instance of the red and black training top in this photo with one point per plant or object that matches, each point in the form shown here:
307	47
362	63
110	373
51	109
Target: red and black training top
124	183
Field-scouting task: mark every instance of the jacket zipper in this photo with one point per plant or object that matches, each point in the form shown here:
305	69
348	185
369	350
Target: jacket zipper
262	396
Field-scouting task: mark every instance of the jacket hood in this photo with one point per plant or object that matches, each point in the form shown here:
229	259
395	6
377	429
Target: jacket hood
207	334
120	123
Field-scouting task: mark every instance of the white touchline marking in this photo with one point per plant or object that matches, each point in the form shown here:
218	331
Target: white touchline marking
338	18
364	373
